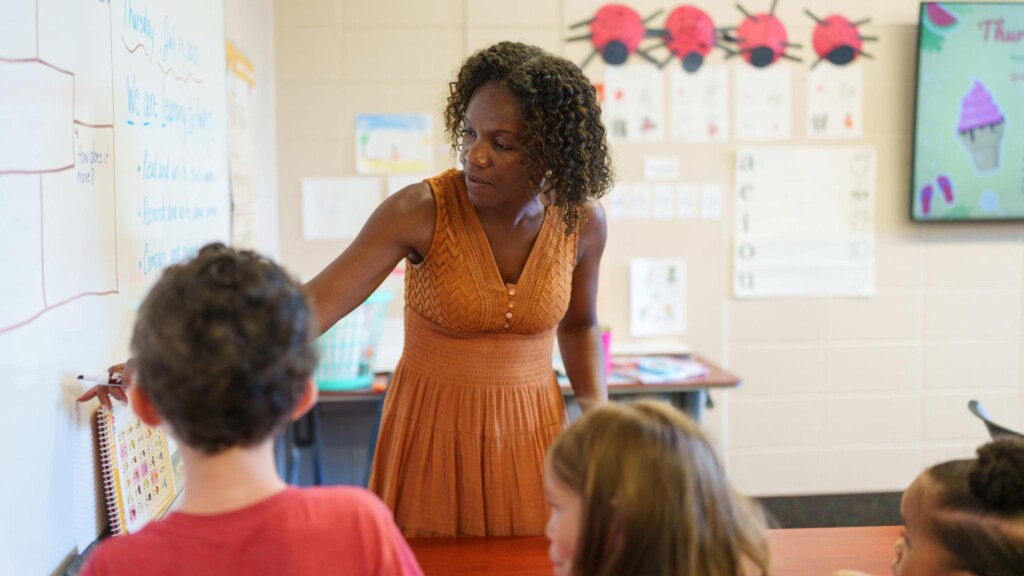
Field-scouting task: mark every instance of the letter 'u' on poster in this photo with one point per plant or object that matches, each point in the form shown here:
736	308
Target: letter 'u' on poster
337	207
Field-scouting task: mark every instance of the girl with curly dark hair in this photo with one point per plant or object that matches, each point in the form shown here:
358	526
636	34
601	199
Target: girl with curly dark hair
965	517
503	256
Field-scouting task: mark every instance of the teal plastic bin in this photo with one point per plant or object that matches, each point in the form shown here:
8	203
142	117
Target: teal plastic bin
348	349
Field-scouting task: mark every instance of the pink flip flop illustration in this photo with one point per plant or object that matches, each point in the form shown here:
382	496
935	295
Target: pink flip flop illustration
947	188
926	198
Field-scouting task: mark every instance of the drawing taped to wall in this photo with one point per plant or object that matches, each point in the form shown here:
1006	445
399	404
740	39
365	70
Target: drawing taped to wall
657	297
394	143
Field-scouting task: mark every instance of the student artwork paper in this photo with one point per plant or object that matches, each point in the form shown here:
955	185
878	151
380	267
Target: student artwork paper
634	103
804	222
394	143
640	203
711	201
835	102
664	196
661	168
617	201
337	207
246	209
764	102
699	104
657	297
686	201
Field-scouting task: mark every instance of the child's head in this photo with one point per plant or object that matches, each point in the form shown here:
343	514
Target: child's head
223	347
967	516
638	489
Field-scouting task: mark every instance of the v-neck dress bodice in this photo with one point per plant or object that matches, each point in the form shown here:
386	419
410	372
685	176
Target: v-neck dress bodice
458	285
474	403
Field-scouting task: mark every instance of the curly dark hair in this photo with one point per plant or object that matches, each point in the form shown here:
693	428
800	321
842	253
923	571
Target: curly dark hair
564	133
979	515
223	347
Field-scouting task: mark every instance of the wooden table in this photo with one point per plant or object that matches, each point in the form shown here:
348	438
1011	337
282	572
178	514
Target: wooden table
797	552
689	395
821	551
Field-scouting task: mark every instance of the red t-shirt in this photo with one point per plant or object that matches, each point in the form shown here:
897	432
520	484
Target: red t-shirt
327	530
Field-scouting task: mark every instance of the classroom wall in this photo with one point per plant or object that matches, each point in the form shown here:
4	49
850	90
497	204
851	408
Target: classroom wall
839	395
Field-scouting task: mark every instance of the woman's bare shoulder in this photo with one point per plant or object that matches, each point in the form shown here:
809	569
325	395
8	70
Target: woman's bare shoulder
410	213
415	198
593	225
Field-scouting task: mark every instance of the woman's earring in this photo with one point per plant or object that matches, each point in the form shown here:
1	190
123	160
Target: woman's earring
544	180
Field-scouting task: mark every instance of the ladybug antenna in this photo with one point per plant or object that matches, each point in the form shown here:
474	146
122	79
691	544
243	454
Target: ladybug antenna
653	16
792	45
816	19
729	52
577	38
860	22
788	57
865	54
816	62
744	11
869	38
649	58
655	33
583	23
588	59
772	11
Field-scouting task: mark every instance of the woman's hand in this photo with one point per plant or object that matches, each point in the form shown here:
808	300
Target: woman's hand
119	378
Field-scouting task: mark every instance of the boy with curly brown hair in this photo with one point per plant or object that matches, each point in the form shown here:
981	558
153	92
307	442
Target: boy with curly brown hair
223	356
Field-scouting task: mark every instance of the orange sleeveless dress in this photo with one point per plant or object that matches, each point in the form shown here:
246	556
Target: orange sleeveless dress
474	404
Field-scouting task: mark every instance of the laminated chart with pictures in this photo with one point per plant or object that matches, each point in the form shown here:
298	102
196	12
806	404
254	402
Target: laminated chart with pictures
804	222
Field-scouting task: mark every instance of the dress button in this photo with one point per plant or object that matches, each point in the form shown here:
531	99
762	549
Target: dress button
505	326
511	291
511	304
508	314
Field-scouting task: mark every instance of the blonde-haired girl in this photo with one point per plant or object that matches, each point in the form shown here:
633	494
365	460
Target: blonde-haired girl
638	489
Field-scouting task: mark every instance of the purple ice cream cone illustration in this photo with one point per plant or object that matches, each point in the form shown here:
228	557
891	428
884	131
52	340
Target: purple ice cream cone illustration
926	199
981	127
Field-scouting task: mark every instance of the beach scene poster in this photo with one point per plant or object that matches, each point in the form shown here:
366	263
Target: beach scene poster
394	143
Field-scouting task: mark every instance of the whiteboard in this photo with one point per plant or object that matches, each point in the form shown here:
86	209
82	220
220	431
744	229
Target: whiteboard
113	165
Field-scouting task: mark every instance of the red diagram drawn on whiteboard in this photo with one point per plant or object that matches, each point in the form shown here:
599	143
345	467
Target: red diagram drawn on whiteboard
56	163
